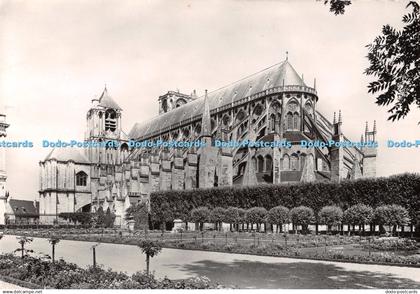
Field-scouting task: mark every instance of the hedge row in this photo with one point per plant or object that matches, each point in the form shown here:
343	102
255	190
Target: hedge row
402	190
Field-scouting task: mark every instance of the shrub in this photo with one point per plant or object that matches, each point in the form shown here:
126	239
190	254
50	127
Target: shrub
403	190
62	275
387	244
330	216
256	215
83	218
278	215
200	215
234	216
303	216
358	214
139	213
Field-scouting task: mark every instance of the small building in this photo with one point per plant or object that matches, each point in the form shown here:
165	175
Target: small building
21	212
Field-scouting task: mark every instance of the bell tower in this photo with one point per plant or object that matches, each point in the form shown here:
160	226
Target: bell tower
3	176
104	125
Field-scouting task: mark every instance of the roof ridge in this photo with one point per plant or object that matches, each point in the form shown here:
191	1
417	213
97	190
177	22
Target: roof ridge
279	74
247	77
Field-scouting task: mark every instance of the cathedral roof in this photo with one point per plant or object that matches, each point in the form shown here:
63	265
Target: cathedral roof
106	101
67	154
282	74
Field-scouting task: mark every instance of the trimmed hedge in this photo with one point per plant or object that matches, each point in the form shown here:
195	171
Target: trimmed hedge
401	189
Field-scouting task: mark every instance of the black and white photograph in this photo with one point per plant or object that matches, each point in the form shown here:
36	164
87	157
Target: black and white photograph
209	145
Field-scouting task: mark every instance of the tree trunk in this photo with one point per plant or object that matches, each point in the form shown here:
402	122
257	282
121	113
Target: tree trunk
147	263
23	249
94	257
53	253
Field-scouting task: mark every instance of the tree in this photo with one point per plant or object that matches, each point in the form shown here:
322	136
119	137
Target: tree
241	219
391	215
163	214
278	215
109	219
200	215
303	216
150	248
337	6
232	216
256	215
358	214
23	241
330	216
395	63
53	241
100	217
218	215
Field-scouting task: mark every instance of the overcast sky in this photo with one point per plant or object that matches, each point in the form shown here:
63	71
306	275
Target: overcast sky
57	55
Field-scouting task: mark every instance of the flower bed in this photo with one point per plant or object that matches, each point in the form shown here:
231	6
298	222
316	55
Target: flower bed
296	246
63	275
393	243
280	250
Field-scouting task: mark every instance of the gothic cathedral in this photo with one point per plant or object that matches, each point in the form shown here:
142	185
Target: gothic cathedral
272	105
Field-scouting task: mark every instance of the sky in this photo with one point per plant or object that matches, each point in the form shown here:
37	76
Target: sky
57	55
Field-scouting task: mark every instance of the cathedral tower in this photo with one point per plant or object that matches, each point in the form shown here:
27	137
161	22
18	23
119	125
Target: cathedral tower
104	125
172	100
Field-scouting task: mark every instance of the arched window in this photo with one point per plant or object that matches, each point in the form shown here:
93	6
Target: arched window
241	168
289	118
186	132
268	163
110	120
212	124
254	163
226	120
308	108
272	122
240	116
260	164
294	162
258	110
81	178
296	121
302	160
124	147
180	102
165	105
286	162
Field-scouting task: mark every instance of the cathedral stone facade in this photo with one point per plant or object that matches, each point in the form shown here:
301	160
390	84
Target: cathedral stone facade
273	105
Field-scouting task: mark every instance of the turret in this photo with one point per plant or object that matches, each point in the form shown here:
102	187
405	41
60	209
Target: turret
370	152
337	153
3	176
208	153
174	99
